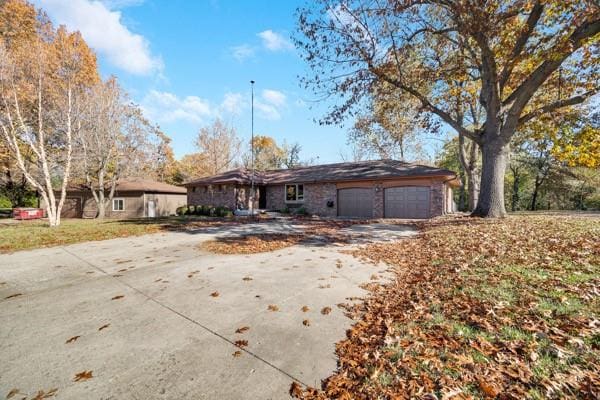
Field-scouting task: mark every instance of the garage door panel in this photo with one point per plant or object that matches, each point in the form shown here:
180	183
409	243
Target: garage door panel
407	202
355	202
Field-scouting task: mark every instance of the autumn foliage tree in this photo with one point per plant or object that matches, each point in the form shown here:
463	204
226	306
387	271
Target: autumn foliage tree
44	73
509	55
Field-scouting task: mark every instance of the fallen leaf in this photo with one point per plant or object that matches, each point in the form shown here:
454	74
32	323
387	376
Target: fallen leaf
243	329
83	376
241	343
237	353
296	390
103	327
305	309
45	395
118	297
12	393
273	307
306	322
326	310
71	340
215	294
488	388
246	278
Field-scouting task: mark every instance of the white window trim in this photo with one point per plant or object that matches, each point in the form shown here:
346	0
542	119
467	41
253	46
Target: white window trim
113	204
293	201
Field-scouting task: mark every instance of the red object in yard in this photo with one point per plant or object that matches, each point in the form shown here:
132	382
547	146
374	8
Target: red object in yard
28	213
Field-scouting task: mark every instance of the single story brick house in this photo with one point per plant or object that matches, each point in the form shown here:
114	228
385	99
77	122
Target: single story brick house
365	189
133	198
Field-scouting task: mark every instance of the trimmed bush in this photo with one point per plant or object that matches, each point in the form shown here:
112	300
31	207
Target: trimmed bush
301	211
198	210
5	202
181	210
191	210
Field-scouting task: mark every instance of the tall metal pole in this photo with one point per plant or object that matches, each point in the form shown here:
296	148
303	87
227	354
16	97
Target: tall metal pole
252	155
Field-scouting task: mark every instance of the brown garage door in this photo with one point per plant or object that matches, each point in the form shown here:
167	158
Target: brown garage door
407	202
355	202
71	208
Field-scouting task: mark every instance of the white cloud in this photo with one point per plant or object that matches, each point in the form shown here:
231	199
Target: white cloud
274	41
274	97
267	111
242	52
270	104
104	31
168	107
233	103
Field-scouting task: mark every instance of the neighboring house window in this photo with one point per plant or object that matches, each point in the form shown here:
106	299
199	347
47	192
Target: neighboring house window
118	204
294	193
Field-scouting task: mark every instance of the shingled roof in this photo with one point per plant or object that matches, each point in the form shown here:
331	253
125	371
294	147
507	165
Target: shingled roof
338	172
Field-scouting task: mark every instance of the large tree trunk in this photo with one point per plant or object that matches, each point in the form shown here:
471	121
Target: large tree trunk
491	195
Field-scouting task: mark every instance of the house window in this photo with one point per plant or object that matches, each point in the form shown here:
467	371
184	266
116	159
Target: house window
294	193
118	204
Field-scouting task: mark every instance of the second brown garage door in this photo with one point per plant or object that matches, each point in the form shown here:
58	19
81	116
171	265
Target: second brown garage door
355	202
407	202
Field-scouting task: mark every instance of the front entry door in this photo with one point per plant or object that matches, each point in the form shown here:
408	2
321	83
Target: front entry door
152	208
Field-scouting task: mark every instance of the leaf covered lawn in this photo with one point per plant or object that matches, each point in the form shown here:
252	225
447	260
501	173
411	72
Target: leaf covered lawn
504	309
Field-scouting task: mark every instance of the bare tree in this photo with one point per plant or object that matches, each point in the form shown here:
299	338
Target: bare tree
115	141
219	145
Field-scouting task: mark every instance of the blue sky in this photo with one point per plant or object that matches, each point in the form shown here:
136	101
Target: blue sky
187	62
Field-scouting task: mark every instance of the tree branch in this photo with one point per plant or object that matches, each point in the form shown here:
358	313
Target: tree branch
522	94
556	105
532	21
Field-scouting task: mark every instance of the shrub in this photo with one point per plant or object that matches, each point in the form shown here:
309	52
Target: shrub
181	210
5	202
285	210
199	210
212	211
592	202
301	211
191	210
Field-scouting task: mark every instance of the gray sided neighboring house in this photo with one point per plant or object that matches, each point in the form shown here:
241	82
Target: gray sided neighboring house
133	198
366	189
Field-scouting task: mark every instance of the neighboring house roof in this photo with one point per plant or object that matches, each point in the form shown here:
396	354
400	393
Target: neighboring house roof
339	172
140	185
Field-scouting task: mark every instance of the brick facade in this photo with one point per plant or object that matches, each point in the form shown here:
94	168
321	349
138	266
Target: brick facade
437	199
232	196
316	197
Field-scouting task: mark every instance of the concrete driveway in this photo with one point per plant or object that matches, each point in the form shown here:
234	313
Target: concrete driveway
146	326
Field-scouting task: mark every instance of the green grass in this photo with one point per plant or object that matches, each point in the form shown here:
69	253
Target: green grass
23	235
33	234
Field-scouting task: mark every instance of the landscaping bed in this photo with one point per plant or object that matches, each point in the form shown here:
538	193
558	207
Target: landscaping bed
478	309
